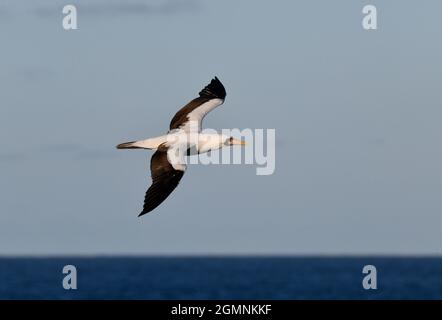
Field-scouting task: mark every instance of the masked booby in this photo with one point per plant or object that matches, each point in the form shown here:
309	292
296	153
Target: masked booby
167	164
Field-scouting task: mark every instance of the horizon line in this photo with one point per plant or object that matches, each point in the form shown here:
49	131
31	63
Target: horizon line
222	255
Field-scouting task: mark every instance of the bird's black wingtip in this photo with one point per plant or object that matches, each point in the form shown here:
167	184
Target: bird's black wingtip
145	211
215	89
142	214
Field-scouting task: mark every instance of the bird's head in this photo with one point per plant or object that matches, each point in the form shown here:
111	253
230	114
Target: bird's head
231	141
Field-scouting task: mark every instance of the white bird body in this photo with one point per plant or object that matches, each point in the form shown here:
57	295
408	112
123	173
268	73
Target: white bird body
201	142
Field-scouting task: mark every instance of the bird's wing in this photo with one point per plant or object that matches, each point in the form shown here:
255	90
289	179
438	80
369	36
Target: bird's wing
167	168
190	116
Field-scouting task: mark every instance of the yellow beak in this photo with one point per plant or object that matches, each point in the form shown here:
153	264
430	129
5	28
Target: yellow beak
238	142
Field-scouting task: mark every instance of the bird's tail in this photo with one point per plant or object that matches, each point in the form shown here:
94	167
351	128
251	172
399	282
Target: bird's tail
129	145
151	143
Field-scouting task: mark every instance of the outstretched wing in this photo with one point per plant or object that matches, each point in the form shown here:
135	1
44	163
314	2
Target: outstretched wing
190	116
165	177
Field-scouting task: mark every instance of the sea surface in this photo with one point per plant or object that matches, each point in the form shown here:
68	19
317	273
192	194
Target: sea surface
221	278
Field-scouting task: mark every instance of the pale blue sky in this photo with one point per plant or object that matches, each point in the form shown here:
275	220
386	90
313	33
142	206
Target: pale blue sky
357	117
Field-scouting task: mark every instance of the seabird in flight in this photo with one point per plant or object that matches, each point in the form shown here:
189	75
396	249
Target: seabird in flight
184	138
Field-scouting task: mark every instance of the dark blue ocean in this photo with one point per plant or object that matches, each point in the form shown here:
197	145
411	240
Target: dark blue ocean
221	278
